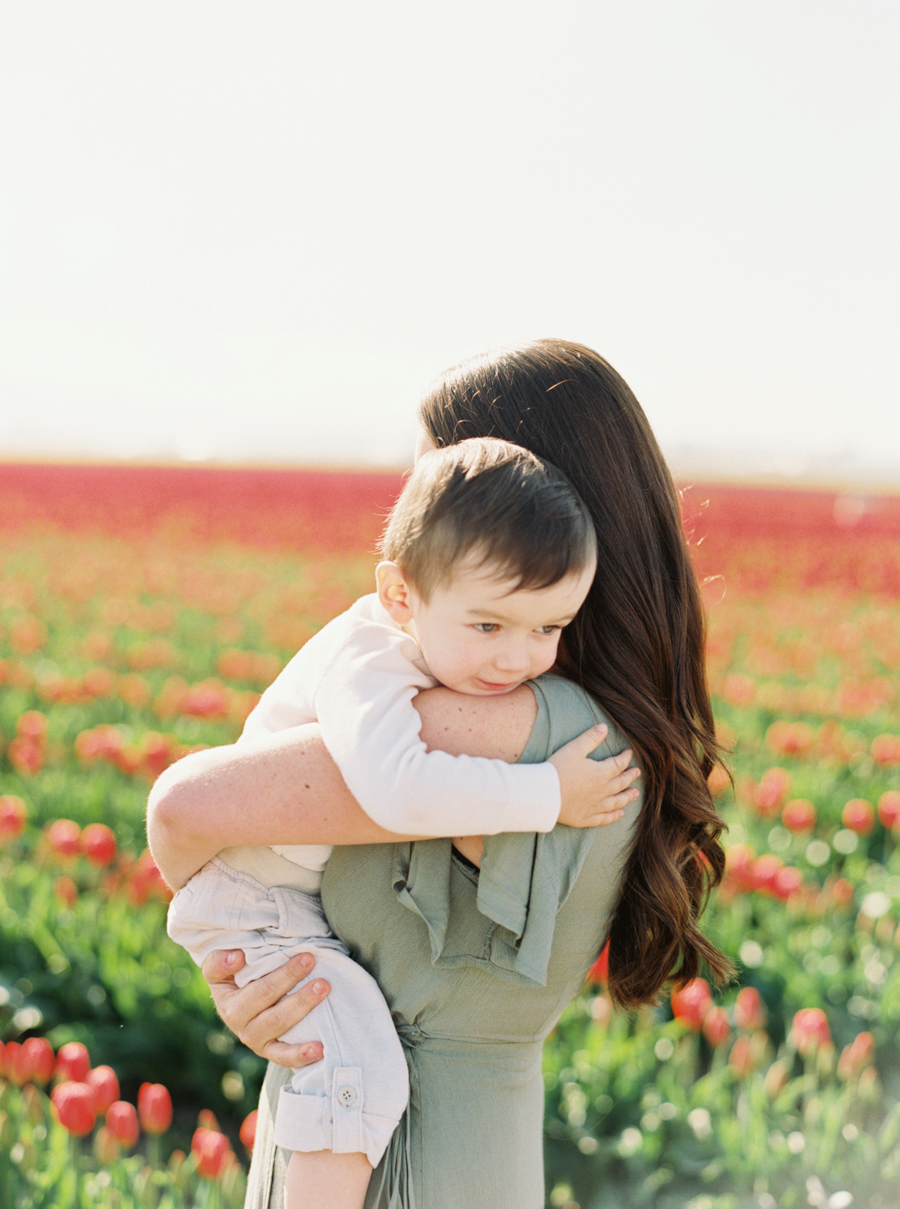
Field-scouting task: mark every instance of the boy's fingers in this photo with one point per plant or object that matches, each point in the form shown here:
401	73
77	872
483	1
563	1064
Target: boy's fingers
585	743
603	819
620	760
624	780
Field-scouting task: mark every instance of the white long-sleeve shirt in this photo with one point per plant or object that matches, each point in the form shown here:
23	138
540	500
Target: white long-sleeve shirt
357	678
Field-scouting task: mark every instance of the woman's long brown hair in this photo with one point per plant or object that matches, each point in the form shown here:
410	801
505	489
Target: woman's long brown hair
637	645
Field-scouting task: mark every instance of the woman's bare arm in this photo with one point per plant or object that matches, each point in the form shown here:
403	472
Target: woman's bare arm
286	789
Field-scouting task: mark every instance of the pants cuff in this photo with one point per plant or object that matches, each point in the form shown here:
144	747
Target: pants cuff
337	1123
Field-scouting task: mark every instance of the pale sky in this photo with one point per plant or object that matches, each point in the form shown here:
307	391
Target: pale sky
256	231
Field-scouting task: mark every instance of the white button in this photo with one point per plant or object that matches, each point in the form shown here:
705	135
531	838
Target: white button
346	1096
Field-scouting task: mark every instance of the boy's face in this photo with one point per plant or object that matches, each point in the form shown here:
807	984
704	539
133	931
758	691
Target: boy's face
480	635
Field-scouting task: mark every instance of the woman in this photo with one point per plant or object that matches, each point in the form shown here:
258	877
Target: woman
478	966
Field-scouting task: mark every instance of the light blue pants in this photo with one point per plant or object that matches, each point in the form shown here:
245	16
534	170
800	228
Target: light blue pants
351	1101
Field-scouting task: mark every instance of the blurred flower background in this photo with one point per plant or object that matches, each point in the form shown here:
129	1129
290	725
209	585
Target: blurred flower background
253	235
137	624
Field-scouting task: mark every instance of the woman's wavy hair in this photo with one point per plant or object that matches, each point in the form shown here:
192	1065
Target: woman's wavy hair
637	646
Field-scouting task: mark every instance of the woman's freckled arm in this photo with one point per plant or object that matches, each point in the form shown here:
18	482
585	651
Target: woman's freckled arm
258	793
496	727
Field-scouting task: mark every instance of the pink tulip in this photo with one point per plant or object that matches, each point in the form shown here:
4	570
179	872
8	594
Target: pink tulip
154	1107
859	816
810	1031
248	1129
73	1062
691	1003
13	817
98	843
716	1028
749	1010
39	1058
856	1056
74	1105
63	836
211	1151
122	1122
106	1087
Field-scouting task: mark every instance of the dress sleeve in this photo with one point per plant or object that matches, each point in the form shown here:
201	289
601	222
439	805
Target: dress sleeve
363	704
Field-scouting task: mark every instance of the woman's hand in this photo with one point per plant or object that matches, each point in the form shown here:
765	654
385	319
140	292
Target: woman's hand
263	1010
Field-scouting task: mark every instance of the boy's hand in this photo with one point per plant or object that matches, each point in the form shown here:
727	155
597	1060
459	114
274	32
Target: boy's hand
593	792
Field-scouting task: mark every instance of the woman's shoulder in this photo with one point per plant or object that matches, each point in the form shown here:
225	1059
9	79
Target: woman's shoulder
564	711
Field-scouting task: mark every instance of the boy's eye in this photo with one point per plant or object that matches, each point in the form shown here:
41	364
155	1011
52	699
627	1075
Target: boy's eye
486	627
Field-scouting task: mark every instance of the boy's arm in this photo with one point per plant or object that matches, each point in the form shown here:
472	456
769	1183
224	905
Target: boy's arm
364	705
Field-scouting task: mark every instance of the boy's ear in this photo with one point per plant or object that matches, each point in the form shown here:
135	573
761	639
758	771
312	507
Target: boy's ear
393	592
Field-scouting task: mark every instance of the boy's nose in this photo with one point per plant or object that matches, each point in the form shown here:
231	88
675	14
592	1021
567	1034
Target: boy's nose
513	657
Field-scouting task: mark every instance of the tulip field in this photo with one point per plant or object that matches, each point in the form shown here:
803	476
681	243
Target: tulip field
142	611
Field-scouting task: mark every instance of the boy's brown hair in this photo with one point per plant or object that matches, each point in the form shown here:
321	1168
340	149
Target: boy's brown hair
492	500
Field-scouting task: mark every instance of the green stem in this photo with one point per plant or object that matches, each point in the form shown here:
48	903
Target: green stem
77	1170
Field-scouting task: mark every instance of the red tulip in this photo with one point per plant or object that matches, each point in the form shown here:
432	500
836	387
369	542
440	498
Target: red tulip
27	634
98	843
859	816
839	890
790	738
74	1104
771	792
716	1028
888	810
211	1151
777	1078
26	756
32	725
66	891
856	1056
63	836
154	1107
746	1055
106	1087
599	971
691	1003
15	1064
73	1062
718	781
765	870
885	750
13	816
786	883
810	1031
739	864
799	814
122	1122
248	1129
749	1010
40	1059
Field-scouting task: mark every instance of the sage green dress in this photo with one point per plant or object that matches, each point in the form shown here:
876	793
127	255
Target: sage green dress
476	969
